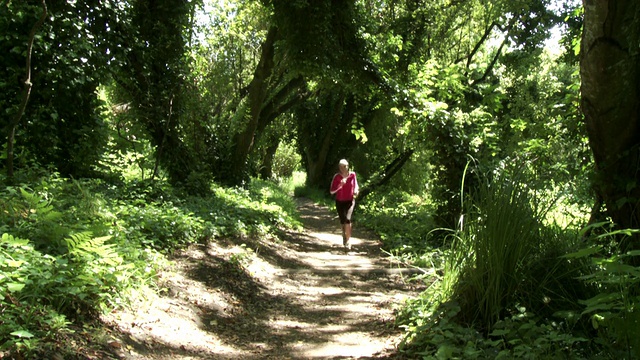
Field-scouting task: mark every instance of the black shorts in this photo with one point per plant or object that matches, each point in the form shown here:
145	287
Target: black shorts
345	210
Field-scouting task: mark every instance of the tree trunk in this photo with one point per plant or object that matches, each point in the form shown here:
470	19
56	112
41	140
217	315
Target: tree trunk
258	90
316	158
609	69
266	170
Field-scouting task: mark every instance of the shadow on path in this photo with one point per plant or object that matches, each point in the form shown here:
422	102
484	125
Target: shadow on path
299	297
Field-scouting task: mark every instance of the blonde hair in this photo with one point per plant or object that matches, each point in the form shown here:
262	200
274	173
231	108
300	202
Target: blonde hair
344	162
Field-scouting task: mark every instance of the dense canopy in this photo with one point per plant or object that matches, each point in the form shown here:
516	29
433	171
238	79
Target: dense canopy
495	139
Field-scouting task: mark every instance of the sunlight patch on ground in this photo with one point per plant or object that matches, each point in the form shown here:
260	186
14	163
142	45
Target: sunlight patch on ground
262	269
331	238
302	326
335	239
323	262
353	344
313	292
168	322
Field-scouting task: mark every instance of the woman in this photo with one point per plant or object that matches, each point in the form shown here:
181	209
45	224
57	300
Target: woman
345	188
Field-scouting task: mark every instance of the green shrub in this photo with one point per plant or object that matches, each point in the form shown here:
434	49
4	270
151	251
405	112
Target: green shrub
614	312
43	291
404	222
434	333
286	160
25	322
506	291
64	274
162	226
506	256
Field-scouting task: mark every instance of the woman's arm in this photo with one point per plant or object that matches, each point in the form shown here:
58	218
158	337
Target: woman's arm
335	185
356	188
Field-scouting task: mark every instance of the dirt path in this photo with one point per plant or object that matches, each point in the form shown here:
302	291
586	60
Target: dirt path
298	297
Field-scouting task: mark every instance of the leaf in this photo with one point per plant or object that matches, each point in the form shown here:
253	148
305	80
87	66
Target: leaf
22	334
15	287
583	252
627	232
592	226
9	239
500	332
623	268
444	352
620	202
14	263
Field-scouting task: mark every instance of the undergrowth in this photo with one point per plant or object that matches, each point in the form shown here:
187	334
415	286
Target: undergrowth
71	249
511	287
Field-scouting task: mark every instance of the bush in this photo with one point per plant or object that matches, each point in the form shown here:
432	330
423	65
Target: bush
286	160
506	291
614	312
403	221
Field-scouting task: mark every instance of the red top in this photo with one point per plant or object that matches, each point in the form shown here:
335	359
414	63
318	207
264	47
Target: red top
344	192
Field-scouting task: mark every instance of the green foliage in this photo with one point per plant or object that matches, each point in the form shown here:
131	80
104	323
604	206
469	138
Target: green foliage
162	226
62	125
74	248
321	38
290	185
223	61
434	333
614	311
286	160
500	236
506	291
151	67
167	220
44	291
30	215
22	265
129	152
404	222
319	196
501	250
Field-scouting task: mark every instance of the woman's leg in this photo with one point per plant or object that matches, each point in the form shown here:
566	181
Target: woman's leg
348	226
342	209
347	232
344	234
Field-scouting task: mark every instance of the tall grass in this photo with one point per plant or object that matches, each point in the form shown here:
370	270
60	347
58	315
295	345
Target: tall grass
506	290
505	257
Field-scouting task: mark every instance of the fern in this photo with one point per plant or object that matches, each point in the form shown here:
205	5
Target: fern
40	207
82	246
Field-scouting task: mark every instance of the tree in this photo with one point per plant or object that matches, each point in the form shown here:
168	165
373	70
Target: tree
62	124
244	45
272	91
444	60
322	124
150	67
610	72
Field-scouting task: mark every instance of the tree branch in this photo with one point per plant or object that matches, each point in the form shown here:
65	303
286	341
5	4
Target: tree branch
389	171
27	91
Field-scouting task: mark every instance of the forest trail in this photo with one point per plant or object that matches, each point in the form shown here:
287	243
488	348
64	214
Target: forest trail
302	296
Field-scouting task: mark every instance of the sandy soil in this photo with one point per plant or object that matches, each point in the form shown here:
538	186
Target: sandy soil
301	296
